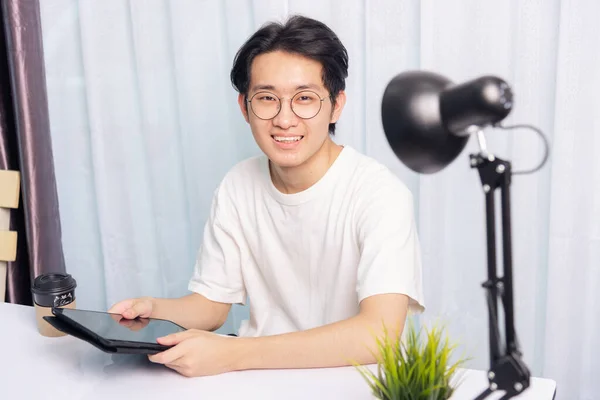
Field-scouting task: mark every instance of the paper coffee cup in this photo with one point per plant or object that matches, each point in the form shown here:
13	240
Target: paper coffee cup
52	290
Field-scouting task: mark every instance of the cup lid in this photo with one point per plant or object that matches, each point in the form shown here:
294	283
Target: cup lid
53	283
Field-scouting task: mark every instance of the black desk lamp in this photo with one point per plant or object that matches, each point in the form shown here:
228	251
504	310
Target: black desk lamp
427	121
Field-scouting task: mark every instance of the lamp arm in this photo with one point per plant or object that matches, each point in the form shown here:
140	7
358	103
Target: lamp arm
507	370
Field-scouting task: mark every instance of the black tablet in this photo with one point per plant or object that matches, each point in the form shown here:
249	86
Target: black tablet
111	332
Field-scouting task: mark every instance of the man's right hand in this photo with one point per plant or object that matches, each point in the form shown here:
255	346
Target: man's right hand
191	311
133	308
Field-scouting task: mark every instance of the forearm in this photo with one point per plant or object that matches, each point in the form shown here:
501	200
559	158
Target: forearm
192	311
337	344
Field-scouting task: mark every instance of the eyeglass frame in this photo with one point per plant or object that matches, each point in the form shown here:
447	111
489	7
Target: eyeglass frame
321	99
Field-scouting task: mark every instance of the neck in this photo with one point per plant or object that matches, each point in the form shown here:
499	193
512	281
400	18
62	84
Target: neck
296	179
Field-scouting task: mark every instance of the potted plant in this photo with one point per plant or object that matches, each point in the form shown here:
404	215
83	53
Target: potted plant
418	367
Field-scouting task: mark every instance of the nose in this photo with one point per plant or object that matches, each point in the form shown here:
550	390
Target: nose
286	117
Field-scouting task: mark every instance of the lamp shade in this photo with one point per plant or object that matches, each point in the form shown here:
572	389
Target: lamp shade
427	119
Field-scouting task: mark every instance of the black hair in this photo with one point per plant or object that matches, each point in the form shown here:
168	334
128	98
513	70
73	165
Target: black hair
298	35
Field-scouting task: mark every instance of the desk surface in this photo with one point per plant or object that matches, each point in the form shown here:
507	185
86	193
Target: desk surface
35	367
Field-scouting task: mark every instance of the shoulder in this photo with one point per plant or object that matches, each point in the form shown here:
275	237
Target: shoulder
240	181
243	175
382	202
252	166
372	180
384	207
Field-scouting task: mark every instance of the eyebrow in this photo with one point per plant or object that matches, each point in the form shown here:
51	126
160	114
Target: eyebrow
271	87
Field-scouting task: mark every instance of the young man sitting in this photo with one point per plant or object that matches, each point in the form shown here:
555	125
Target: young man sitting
321	238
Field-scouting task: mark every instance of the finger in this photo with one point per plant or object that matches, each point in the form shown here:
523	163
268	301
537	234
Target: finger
175	338
176	363
168	356
174	367
121	306
180	370
138	309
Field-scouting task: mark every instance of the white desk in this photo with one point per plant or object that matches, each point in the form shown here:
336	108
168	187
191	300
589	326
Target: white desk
35	367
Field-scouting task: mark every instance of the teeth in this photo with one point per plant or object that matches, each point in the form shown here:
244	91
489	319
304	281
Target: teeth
287	139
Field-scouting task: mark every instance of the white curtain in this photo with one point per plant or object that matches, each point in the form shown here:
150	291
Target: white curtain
145	124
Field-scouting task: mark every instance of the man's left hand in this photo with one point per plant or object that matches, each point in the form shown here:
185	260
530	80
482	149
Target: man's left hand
198	353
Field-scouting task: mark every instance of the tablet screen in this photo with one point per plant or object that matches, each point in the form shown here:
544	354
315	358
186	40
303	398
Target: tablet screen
114	327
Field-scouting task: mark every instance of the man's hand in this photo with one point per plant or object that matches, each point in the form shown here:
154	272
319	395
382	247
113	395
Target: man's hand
191	311
134	324
133	308
198	353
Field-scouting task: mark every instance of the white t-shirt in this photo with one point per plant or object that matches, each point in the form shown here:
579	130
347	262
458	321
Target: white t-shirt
307	259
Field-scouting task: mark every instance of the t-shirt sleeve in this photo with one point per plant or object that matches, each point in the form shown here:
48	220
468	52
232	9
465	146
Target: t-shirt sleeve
390	254
218	269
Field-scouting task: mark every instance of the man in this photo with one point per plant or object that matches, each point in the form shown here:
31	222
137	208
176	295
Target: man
321	238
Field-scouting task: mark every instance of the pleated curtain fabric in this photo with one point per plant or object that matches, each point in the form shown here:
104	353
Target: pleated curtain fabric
25	145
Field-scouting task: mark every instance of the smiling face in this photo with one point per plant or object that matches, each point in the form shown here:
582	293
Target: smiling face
287	139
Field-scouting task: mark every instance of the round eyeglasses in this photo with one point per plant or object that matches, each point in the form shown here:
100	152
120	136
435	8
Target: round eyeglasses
305	104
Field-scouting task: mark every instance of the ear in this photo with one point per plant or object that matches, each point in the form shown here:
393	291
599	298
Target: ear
243	106
340	102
